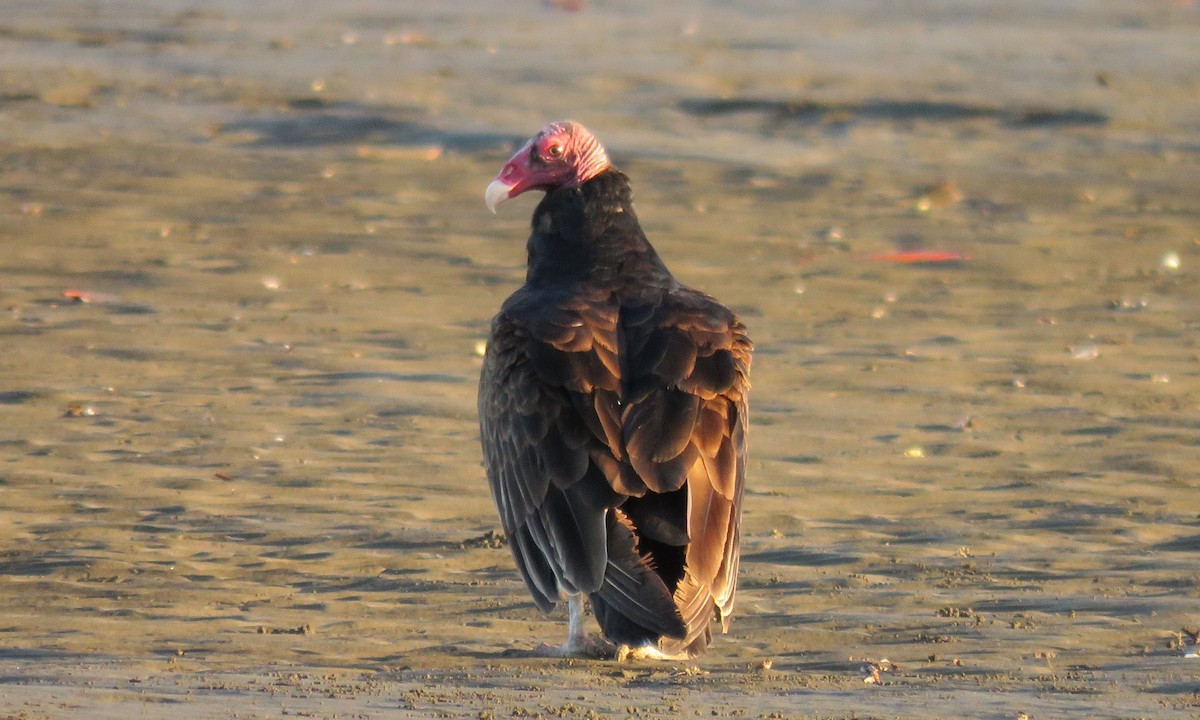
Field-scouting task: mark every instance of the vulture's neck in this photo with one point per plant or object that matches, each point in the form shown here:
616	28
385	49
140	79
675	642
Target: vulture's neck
590	234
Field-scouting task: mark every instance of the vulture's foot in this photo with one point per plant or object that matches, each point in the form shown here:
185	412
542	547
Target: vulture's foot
626	653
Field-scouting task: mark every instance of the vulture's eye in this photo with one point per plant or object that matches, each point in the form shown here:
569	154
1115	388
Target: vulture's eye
555	150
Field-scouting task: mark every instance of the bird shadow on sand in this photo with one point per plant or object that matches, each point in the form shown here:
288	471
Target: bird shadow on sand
460	652
314	123
777	113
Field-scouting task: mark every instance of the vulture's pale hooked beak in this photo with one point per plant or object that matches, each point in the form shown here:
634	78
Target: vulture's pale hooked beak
496	193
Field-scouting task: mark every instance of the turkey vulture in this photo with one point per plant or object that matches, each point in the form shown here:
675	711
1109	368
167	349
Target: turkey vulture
613	415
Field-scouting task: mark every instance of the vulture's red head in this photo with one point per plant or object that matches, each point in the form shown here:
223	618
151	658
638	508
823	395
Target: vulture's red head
563	154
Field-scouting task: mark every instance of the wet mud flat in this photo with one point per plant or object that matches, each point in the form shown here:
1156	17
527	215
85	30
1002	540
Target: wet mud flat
247	268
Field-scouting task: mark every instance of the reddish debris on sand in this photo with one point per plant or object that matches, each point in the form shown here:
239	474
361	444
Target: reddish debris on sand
84	296
922	256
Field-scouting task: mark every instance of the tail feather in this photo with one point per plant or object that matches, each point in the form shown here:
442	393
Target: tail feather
695	602
633	605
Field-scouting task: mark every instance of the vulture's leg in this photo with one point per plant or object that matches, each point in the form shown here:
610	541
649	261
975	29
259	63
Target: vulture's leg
579	643
577	639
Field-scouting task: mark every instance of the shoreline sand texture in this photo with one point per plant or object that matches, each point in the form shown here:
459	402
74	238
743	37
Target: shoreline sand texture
247	267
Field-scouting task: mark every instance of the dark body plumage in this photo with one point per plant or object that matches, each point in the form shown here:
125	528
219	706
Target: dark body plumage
613	414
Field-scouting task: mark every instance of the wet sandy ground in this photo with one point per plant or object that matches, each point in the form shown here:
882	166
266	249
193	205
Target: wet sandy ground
247	267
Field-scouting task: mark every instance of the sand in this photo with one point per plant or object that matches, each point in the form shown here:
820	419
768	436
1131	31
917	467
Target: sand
247	269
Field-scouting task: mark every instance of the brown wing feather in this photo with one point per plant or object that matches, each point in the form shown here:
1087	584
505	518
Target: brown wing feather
537	447
685	423
550	426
